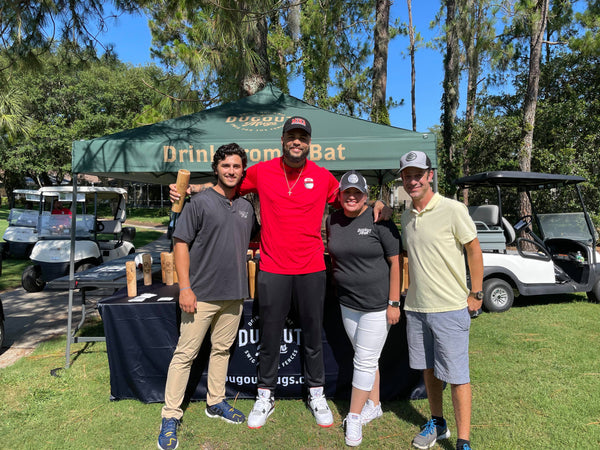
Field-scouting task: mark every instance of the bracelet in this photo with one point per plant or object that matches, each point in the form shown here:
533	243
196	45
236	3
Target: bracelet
183	289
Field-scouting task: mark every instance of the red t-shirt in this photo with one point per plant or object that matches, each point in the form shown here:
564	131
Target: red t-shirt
291	241
61	211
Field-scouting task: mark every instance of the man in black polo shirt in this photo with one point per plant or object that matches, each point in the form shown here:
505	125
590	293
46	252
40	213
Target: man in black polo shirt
211	241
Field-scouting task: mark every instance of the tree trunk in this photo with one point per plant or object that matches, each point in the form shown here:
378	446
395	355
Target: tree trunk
474	67
379	111
257	78
411	35
538	27
450	94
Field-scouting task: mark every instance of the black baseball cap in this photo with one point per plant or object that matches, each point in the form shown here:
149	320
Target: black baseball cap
353	179
297	122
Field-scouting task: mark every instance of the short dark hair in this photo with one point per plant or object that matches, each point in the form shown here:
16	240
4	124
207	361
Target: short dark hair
227	150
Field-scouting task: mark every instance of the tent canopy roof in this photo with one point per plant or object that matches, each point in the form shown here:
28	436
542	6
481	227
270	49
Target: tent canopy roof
154	153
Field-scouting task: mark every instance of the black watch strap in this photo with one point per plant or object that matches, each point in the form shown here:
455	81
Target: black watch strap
478	295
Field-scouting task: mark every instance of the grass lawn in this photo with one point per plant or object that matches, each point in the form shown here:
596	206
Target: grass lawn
536	384
535	372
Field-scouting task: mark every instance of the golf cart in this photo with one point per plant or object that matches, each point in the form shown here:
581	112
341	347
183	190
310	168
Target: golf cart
99	232
556	252
21	234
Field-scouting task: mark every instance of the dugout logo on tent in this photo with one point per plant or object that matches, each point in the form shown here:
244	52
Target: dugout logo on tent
257	122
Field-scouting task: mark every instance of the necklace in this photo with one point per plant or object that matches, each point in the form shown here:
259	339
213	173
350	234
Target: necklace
286	178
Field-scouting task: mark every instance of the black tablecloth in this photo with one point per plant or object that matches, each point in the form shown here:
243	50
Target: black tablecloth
141	338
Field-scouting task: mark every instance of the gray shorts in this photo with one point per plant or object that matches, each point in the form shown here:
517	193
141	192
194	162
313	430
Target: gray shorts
440	341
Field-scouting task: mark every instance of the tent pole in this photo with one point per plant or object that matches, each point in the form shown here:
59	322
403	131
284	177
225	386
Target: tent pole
71	272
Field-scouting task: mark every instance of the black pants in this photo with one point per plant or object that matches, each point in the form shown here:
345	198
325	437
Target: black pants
276	294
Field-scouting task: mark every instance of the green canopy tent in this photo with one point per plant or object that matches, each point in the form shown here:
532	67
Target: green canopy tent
154	153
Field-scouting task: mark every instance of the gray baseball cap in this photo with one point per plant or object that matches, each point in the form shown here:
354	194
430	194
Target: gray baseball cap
353	179
415	159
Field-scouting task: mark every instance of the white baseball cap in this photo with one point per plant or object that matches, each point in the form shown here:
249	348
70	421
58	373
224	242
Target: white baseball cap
415	159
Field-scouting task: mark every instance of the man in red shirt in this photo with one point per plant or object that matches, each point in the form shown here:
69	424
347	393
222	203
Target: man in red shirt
60	209
293	192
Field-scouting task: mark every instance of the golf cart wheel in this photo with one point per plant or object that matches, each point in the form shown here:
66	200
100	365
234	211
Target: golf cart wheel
31	279
594	294
498	295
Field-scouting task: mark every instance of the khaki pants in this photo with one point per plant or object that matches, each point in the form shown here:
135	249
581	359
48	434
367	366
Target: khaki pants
224	318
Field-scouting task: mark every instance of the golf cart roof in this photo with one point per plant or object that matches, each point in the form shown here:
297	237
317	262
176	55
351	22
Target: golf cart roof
26	191
525	180
48	190
31	195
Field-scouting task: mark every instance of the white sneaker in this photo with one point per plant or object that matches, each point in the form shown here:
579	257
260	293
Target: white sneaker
353	429
318	405
370	412
262	409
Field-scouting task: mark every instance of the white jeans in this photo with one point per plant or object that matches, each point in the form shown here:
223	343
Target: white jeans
367	332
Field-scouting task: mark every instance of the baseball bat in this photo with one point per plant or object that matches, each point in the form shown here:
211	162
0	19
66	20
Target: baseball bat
175	276
147	267
169	269
163	255
251	278
182	183
131	278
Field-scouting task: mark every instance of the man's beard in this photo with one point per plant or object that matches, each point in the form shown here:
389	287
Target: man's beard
294	159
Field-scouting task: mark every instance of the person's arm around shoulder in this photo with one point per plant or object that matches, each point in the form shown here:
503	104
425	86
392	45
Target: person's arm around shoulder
381	211
187	298
393	311
192	189
475	260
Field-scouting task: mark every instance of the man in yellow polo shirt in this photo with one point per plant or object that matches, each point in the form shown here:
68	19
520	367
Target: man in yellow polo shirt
436	232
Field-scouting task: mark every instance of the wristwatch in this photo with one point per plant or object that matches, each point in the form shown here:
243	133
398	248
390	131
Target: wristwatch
394	304
478	295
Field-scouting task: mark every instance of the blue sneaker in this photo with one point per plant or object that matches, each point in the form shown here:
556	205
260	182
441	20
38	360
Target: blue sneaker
226	412
430	433
464	447
167	439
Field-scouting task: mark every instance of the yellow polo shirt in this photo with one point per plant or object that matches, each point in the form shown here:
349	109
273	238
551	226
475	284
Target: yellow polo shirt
434	240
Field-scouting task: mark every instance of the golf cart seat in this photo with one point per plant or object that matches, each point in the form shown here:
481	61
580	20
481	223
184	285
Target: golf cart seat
509	232
109	226
489	231
485	216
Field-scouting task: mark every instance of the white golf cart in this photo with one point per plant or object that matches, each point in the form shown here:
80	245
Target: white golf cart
557	252
99	231
21	235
